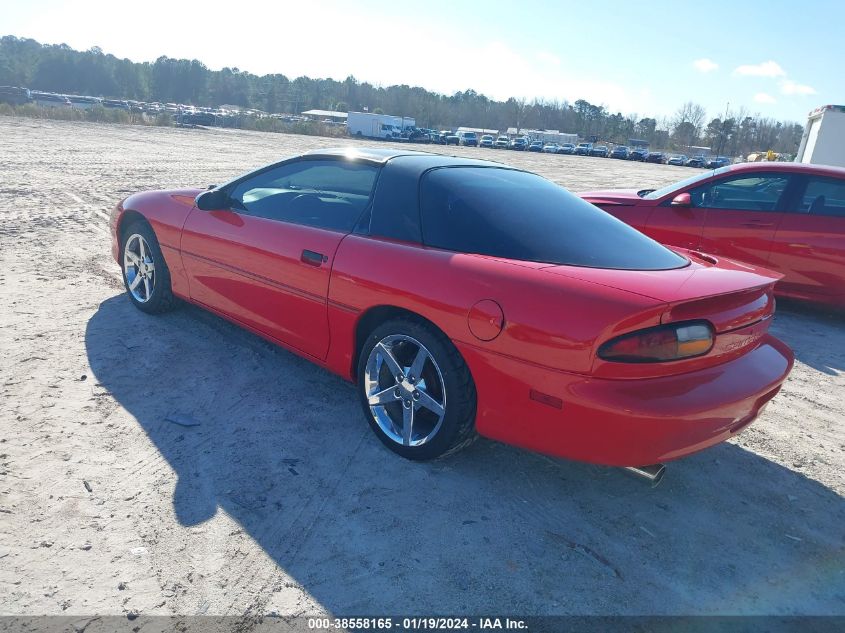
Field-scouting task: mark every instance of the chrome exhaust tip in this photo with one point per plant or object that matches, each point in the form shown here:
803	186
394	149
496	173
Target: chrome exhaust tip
652	473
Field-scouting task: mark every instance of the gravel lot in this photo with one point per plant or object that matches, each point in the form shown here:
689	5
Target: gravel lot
282	501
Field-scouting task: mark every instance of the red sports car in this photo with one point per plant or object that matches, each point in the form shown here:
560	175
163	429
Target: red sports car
788	217
465	297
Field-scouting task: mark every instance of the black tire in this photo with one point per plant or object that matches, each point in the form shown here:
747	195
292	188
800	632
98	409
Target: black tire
457	430
161	296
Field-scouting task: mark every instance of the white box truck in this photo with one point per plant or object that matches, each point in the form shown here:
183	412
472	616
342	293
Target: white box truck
371	125
823	142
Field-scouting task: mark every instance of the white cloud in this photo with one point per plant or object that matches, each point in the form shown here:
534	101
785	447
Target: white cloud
705	65
548	58
765	69
763	97
789	87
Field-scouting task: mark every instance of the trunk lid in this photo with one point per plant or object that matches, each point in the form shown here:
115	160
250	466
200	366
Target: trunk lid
737	299
612	197
729	294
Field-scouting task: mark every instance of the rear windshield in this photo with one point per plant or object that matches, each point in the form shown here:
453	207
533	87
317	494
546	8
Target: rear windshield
518	215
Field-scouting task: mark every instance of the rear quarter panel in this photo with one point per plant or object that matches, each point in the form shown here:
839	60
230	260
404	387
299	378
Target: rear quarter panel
549	320
552	326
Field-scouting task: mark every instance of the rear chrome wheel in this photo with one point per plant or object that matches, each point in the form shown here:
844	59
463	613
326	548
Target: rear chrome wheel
405	390
416	390
138	268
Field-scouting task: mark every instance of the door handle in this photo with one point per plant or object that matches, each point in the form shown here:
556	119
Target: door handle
760	224
313	259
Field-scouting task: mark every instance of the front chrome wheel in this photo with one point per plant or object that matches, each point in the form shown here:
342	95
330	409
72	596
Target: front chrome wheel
405	390
139	268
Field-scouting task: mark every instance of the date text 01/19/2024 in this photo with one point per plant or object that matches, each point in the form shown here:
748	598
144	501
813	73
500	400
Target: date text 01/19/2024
417	624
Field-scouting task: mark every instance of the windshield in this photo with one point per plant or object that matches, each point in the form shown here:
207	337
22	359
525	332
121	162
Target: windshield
519	215
655	194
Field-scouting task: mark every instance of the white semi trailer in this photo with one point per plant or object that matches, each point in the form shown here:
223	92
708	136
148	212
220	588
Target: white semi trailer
823	142
371	125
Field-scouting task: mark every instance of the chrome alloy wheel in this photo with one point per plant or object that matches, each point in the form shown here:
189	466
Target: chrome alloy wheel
405	390
139	268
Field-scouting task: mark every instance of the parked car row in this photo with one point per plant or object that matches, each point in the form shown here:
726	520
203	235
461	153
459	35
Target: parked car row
643	155
14	95
182	113
194	115
524	143
680	160
600	150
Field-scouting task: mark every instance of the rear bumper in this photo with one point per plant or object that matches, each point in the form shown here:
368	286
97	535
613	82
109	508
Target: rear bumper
623	422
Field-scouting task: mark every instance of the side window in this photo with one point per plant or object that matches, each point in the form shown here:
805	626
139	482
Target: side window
759	192
823	196
326	194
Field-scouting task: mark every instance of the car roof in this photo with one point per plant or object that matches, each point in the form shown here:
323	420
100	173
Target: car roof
795	168
369	154
409	158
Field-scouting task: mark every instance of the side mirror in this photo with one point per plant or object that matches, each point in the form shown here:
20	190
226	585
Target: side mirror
682	200
212	200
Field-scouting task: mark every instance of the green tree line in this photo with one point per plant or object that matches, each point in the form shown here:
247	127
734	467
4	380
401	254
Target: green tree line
59	68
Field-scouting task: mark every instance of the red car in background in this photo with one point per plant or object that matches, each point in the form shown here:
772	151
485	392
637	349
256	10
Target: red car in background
460	300
788	217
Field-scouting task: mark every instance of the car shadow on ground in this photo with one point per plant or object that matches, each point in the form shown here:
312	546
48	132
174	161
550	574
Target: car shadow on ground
282	448
802	326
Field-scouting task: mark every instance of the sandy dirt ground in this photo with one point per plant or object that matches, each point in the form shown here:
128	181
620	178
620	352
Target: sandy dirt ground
282	501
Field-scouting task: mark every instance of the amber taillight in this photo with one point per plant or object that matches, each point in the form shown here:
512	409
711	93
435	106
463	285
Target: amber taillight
660	344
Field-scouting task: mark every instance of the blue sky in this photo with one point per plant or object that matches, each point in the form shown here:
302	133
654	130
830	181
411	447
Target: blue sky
777	58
